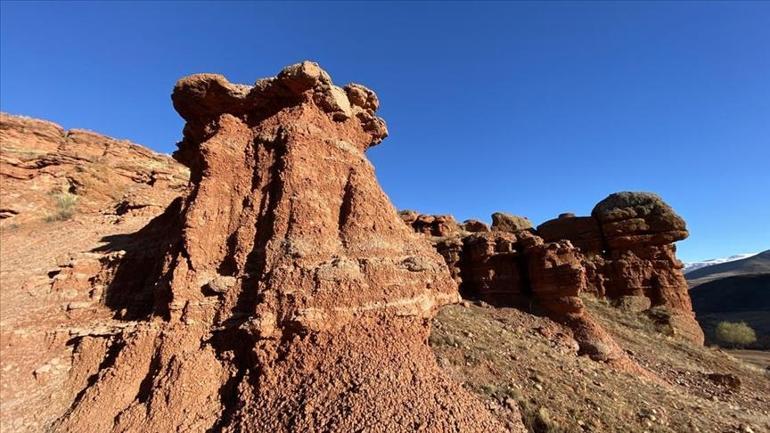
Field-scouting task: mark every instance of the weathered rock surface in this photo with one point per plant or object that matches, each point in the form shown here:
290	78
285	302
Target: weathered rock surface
491	267
286	293
517	268
433	225
474	226
49	172
623	252
628	252
509	223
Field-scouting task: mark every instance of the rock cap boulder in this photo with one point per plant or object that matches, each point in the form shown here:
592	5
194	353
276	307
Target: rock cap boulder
505	222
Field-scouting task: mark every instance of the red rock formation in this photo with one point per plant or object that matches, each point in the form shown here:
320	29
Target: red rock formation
519	269
622	252
557	277
41	163
630	256
290	296
474	226
583	232
492	268
433	225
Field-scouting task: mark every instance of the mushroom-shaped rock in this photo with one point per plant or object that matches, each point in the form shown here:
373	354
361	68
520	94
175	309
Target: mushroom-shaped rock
638	218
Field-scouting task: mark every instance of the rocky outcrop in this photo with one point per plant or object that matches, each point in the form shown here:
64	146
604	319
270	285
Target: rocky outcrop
48	172
492	268
629	255
474	226
517	268
623	252
432	225
289	295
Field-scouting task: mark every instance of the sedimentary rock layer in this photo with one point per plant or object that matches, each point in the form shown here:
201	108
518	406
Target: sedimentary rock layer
629	254
44	168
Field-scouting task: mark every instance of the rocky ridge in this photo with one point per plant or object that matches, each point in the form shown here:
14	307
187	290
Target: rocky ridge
48	172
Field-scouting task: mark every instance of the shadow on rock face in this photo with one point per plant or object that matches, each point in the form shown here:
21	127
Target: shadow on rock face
138	286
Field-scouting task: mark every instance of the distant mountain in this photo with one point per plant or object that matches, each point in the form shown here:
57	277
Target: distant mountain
733	291
756	264
689	267
733	294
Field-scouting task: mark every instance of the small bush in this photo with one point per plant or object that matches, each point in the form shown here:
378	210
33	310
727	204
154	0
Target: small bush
65	206
735	334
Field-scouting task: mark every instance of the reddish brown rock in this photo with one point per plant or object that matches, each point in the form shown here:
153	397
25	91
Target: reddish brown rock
474	226
583	232
509	223
51	173
556	276
431	225
451	249
629	252
290	296
492	269
634	219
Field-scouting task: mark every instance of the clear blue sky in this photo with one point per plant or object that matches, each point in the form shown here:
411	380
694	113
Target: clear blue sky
531	108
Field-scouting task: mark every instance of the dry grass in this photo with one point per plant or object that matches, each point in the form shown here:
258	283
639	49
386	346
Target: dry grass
510	357
66	204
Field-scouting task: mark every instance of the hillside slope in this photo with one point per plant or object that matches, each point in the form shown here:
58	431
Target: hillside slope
509	357
691	266
48	172
736	291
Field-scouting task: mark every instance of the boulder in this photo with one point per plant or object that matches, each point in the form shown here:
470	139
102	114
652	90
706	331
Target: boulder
474	226
632	219
509	223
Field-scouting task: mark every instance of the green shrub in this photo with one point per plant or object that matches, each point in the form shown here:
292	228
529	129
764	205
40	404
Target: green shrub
65	206
735	334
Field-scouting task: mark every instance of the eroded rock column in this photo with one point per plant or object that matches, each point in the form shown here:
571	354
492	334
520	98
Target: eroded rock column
293	298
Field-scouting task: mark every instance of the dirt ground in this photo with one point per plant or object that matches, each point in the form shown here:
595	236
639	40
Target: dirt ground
508	357
758	357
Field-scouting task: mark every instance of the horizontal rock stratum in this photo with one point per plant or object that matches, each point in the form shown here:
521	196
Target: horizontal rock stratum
42	165
285	294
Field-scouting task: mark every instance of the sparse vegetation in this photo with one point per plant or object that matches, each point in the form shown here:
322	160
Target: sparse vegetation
66	204
510	358
736	335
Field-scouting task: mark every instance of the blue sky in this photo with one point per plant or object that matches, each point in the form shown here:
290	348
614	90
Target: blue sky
530	108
